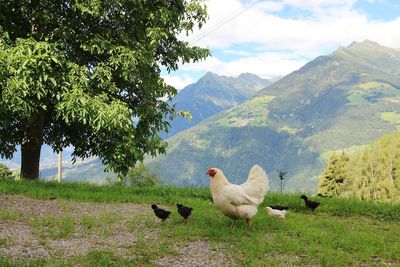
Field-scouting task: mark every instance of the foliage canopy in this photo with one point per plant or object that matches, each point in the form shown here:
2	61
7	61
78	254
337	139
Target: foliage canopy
87	74
333	179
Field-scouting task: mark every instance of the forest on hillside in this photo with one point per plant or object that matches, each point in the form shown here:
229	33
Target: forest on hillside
372	174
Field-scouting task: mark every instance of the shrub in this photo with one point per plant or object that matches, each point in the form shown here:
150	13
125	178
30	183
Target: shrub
141	175
5	172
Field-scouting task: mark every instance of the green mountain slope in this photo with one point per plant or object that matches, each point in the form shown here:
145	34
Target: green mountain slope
211	94
350	97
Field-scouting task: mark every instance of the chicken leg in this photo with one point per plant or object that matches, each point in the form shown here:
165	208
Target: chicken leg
249	221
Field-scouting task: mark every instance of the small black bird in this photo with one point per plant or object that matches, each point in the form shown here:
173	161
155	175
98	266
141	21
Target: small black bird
160	213
278	207
310	204
184	211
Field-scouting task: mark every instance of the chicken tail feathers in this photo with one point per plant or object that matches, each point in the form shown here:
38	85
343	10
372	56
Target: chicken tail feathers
257	184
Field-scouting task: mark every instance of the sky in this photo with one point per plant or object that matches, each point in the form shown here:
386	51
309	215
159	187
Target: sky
273	38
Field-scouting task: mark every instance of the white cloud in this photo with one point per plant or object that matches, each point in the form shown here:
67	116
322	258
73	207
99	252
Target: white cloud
237	52
317	4
266	65
334	23
178	82
321	27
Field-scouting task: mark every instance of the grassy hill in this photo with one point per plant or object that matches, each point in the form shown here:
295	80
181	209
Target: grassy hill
346	99
91	225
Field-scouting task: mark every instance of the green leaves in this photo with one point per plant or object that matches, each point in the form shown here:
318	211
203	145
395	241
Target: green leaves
29	76
93	67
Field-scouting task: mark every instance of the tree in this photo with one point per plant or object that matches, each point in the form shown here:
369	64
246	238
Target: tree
87	74
141	175
373	172
370	174
333	180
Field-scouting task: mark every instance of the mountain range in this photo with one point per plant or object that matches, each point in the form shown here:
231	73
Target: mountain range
341	101
211	94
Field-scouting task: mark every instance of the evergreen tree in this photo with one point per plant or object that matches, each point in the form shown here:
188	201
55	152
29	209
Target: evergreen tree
333	180
374	171
372	174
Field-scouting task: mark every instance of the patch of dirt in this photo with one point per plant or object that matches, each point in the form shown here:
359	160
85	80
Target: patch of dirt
31	207
20	241
197	253
96	226
119	243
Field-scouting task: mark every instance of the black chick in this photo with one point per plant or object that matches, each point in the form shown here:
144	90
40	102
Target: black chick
160	213
184	211
278	207
310	204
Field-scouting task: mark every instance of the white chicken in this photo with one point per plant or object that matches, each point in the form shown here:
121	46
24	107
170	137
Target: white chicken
239	201
276	213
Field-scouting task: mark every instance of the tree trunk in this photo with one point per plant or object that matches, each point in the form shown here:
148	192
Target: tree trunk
31	146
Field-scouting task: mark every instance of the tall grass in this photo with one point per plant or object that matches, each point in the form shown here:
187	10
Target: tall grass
102	193
173	195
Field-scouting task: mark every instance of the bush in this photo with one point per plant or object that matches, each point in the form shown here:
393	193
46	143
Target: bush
5	172
141	175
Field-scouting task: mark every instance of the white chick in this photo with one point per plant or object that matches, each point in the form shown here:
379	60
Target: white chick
276	213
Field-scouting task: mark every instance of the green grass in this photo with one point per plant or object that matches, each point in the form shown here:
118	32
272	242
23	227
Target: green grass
54	227
373	85
252	113
357	98
391	117
4	241
102	193
8	215
341	232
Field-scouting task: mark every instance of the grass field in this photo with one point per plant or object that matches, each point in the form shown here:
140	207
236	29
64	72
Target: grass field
254	112
340	232
392	117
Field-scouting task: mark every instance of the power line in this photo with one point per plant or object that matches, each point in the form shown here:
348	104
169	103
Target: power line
223	22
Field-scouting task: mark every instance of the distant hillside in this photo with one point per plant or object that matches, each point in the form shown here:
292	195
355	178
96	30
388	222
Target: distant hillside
90	170
370	174
348	98
211	94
